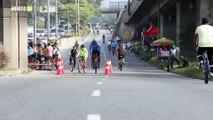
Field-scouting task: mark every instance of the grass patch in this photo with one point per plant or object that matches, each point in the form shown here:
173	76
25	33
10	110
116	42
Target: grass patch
1	75
190	71
6	69
26	71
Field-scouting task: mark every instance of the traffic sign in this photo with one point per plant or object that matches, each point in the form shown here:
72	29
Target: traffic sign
21	8
43	9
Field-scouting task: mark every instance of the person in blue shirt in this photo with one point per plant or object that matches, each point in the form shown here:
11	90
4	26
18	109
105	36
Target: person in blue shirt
113	46
30	53
95	49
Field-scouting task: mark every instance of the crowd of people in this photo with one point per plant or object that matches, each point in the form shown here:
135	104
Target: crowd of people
43	53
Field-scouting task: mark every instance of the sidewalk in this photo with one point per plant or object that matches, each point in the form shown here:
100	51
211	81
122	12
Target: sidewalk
12	73
66	43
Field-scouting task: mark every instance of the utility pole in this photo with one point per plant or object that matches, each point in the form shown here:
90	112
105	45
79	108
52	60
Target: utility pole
76	22
18	34
35	21
56	16
78	17
48	19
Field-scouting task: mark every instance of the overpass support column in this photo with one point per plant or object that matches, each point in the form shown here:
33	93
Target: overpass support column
178	17
161	25
15	35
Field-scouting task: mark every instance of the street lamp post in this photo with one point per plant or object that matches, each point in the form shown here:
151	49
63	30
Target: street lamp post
56	16
78	17
48	19
35	21
18	27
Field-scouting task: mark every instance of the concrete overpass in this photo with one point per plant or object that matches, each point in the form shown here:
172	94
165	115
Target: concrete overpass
173	18
13	33
114	8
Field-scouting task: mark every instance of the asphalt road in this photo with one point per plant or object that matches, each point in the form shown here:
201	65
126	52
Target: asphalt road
139	92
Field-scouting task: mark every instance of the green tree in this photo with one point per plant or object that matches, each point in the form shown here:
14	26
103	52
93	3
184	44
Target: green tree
68	11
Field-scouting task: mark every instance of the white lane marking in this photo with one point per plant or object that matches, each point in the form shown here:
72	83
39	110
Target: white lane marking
93	117
96	93
85	39
99	83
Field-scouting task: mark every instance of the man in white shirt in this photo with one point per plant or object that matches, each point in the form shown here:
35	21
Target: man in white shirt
203	39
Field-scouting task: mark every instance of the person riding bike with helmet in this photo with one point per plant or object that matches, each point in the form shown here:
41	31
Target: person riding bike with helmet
95	49
83	54
121	52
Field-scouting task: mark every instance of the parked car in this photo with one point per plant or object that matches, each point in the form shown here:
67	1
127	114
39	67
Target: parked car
40	32
30	37
61	32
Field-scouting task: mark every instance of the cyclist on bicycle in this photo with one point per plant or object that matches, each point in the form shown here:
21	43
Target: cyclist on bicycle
103	39
121	52
83	54
76	44
113	46
203	40
109	46
73	54
95	49
98	31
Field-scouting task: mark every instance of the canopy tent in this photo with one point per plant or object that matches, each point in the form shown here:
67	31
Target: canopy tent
117	38
151	31
163	41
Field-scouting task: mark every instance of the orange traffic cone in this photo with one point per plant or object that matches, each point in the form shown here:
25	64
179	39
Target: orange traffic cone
62	65
108	68
59	64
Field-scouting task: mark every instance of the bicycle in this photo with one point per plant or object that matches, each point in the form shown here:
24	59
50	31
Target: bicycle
34	62
205	65
50	63
95	62
72	64
121	63
109	48
81	66
103	40
43	63
113	51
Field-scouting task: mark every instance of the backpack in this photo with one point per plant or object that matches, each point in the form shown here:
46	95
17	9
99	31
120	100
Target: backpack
121	51
95	50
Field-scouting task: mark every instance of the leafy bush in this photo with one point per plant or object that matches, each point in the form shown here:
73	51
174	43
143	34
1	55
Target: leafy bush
4	60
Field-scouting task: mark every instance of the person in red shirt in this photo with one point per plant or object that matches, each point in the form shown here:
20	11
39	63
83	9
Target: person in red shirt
49	53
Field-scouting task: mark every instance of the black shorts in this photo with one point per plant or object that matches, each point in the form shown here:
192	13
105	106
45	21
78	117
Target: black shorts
209	50
120	56
95	52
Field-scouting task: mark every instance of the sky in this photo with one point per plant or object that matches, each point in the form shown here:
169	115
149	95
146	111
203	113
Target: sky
105	3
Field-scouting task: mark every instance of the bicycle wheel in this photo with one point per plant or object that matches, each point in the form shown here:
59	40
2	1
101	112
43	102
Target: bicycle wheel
96	67
72	65
121	67
84	69
79	69
206	71
35	67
